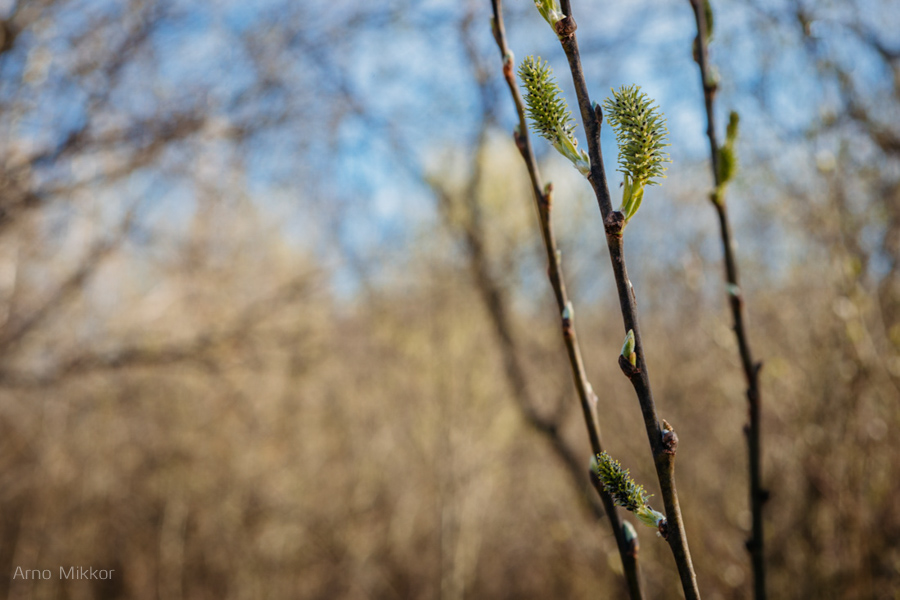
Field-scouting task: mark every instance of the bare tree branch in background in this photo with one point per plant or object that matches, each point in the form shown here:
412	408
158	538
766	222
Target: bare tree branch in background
199	351
722	162
19	325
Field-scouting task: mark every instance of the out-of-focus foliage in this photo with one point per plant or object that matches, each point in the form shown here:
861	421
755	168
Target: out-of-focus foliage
243	355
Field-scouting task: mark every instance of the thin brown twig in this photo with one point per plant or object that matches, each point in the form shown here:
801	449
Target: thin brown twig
544	202
497	304
751	368
663	444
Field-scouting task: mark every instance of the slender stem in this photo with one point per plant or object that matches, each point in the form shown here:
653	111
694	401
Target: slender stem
497	305
751	368
662	444
544	201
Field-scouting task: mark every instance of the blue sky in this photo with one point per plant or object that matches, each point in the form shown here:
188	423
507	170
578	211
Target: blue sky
412	95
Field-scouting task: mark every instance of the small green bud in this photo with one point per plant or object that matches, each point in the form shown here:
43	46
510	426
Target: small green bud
550	10
630	533
727	164
731	131
727	154
628	348
568	312
712	78
649	517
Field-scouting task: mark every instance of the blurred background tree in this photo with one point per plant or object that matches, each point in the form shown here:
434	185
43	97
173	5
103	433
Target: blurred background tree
243	353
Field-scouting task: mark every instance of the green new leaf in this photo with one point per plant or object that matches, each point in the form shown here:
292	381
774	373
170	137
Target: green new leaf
550	10
549	113
641	135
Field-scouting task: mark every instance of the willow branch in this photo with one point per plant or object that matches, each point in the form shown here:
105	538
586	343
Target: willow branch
758	495
662	443
544	203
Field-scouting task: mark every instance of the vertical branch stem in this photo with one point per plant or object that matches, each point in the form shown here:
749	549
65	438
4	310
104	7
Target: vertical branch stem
588	399
663	452
751	368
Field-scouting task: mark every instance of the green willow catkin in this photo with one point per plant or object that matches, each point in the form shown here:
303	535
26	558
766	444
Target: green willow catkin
641	135
623	490
549	113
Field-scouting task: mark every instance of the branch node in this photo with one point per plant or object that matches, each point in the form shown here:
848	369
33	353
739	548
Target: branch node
508	64
669	439
565	27
614	224
663	529
711	84
628	369
520	141
546	198
598	113
568	315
